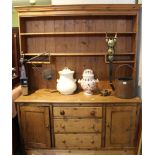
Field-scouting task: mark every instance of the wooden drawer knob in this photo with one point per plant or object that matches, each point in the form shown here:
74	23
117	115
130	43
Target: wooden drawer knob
62	112
93	126
63	126
92	113
92	141
108	125
64	141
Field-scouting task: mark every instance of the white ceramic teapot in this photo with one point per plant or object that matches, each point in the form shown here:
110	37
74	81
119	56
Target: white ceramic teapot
88	83
66	84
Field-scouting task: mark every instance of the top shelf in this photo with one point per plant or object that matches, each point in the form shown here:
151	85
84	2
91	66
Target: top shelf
77	33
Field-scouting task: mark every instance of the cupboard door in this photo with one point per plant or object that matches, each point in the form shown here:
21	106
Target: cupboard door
121	122
35	127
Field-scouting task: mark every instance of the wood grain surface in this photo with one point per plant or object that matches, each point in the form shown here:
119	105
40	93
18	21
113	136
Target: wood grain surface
51	96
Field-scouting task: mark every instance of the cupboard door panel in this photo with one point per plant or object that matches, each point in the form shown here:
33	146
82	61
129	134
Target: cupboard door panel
89	141
35	127
121	126
77	125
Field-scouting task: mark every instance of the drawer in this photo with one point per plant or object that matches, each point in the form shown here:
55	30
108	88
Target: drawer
77	111
77	125
89	141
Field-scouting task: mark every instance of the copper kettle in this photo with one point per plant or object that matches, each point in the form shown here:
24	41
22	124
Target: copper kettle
124	86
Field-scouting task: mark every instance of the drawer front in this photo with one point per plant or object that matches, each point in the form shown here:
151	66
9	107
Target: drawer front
77	125
77	111
90	141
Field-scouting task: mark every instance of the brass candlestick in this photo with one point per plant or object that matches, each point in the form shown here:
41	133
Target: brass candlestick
111	41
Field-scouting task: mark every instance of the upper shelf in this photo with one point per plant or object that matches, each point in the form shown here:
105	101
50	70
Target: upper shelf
76	33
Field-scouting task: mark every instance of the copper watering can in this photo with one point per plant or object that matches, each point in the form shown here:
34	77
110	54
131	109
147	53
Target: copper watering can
124	86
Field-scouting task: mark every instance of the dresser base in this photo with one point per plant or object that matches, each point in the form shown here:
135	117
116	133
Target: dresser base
79	152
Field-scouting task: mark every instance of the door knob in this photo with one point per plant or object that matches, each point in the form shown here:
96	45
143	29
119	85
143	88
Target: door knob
92	113
93	126
108	125
92	141
63	126
62	112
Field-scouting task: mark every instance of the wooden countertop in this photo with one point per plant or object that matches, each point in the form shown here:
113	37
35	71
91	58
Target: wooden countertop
49	96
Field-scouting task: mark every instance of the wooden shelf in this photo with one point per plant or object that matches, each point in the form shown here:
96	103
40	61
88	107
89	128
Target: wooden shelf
68	54
121	62
123	54
77	54
124	58
37	58
31	54
75	33
37	62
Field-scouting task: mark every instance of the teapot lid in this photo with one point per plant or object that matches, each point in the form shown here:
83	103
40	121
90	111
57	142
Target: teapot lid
66	70
88	72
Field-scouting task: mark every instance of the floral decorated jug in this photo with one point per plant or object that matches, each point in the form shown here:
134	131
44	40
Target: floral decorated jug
88	83
66	84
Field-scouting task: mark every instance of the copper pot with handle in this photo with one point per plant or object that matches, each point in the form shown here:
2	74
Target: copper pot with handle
124	86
